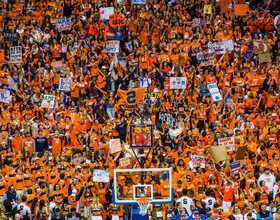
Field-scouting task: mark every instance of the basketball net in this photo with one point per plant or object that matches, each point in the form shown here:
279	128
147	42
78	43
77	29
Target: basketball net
143	204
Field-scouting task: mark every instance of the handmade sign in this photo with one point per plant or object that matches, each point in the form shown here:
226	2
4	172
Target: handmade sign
240	154
215	92
207	9
235	168
260	47
64	84
217	48
112	46
196	22
208	59
226	5
153	97
117	20
106	12
264	58
5	96
101	176
241	9
175	132
178	82
64	24
124	161
197	161
16	54
115	146
12	84
138	1
228	45
165	120
204	91
228	142
179	105
37	34
219	153
57	66
48	101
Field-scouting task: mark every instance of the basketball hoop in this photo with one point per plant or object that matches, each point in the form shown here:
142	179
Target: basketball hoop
143	203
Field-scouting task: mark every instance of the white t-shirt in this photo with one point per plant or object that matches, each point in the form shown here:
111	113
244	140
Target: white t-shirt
210	201
24	207
186	202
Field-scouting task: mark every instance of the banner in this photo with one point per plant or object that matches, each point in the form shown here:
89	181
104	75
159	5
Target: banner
153	97
179	105
64	24
241	9
112	46
115	146
219	153
16	54
214	91
101	176
138	1
64	84
207	9
131	98
106	12
5	96
48	101
217	48
197	161
124	161
37	34
228	142
12	84
175	132
204	91
117	20
165	120
57	66
226	5
235	168
178	82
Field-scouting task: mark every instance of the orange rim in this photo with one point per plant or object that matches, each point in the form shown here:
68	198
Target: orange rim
143	199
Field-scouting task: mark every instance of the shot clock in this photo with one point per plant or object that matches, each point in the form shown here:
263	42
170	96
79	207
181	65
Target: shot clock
141	136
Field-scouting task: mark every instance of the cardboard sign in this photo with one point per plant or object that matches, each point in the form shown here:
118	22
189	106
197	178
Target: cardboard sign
204	91
264	58
179	105
64	84
117	20
124	161
175	132
138	1
106	12
112	46
153	97
115	146
48	101
241	9
37	34
165	120
207	9
219	153
235	168
16	54
240	153
197	161
178	82
101	176
215	92
228	142
5	96
64	24
226	5
57	66
12	84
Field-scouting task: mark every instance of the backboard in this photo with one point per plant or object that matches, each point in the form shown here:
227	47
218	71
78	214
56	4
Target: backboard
153	183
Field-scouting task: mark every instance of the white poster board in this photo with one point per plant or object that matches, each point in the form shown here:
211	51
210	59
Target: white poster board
101	176
115	146
48	101
16	54
5	96
178	82
215	92
112	46
64	84
217	47
228	142
106	12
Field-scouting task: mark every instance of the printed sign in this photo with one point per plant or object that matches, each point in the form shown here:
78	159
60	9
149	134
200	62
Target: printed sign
12	84
57	66
112	46
175	132
48	101
207	9
197	161
217	47
117	20
64	24
179	105
178	82
5	96
124	161
241	9
138	1
228	142
204	91
214	91
153	97
115	146
106	12
226	5
141	136
16	54
235	168
64	84
37	34
165	120
101	176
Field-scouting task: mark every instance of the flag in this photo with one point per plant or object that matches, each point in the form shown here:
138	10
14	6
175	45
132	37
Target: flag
132	97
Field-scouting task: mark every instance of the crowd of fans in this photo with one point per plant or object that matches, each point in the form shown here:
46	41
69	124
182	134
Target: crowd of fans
47	155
